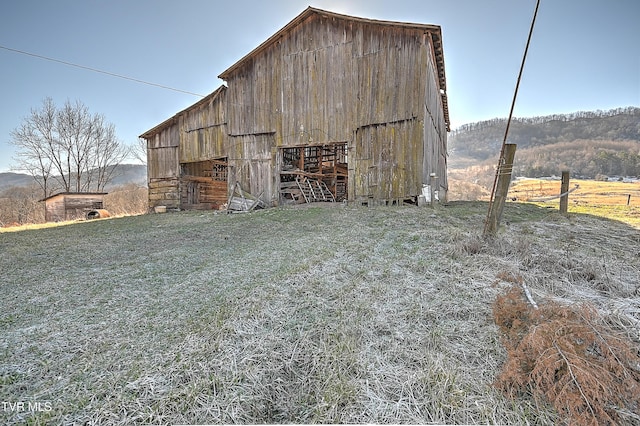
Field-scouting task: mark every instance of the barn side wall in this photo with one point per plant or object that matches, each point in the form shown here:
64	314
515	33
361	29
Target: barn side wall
372	87
163	168
330	80
435	136
203	130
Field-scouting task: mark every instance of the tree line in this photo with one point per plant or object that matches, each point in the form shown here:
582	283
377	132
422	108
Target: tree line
586	159
471	127
482	140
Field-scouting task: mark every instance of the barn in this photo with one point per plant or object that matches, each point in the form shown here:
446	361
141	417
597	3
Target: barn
330	108
65	206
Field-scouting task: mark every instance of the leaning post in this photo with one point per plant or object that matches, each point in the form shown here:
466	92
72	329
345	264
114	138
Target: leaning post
502	188
564	192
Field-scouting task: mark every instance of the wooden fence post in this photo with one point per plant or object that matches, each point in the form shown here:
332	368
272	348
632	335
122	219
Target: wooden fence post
502	188
564	192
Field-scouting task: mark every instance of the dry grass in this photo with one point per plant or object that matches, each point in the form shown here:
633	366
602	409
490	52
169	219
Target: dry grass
567	356
601	198
291	315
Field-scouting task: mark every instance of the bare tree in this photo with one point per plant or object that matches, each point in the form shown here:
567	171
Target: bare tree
77	149
20	205
35	138
139	150
106	152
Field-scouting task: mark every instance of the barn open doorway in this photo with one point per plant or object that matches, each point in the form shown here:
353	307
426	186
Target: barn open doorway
203	184
312	173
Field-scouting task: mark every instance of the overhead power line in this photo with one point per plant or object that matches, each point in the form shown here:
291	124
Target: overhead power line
46	58
493	215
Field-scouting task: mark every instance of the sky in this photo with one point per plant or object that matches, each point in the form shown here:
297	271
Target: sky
584	54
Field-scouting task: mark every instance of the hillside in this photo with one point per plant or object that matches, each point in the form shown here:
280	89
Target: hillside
314	314
10	180
587	143
124	174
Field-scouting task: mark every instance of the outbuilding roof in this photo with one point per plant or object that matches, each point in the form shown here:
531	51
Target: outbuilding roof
73	193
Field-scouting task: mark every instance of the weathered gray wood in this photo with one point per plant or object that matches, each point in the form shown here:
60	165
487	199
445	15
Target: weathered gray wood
324	79
71	205
502	188
564	192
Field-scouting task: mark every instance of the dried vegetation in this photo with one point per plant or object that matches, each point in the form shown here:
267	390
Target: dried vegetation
313	314
570	357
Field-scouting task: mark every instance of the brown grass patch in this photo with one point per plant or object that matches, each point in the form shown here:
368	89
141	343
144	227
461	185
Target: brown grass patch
568	356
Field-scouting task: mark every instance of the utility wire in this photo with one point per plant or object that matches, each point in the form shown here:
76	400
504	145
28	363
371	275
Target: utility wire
506	132
22	52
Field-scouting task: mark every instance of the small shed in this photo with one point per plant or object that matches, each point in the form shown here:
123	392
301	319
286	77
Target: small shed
72	205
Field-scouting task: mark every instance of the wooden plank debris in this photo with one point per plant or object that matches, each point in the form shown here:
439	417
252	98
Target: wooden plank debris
242	201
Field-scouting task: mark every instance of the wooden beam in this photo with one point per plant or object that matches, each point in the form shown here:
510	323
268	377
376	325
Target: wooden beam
502	188
564	192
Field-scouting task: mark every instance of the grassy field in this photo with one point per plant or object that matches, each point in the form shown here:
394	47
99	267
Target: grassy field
314	314
611	199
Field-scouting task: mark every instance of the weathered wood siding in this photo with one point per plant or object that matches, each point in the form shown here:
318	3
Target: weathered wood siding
392	66
71	206
385	167
163	168
54	209
391	74
435	133
252	97
203	130
324	79
317	73
251	160
331	80
202	193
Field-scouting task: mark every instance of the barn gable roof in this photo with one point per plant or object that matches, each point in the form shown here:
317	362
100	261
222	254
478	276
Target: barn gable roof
170	121
434	30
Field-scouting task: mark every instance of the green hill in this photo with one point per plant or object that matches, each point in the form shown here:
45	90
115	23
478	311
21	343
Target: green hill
124	174
587	143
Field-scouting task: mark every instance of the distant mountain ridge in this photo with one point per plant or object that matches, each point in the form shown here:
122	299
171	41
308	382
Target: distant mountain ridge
124	174
586	142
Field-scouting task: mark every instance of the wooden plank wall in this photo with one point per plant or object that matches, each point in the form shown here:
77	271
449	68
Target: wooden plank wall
163	169
54	209
252	96
251	161
391	66
435	133
199	190
210	194
385	168
71	206
327	80
317	74
203	130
